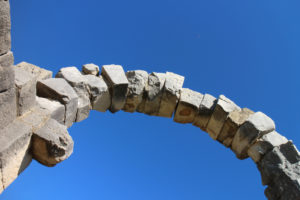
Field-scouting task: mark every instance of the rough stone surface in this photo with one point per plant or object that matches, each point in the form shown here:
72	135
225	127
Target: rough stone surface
54	108
188	105
7	60
39	73
26	90
223	107
255	126
73	76
8	108
264	144
137	83
233	122
206	109
7	77
5	27
58	89
115	78
51	143
91	69
171	94
154	91
14	150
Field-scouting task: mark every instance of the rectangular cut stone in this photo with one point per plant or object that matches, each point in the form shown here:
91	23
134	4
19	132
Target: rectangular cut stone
91	69
14	150
7	78
5	27
115	78
206	109
54	108
265	144
58	89
188	105
7	60
257	125
223	107
26	90
8	108
233	122
171	94
39	73
154	91
137	83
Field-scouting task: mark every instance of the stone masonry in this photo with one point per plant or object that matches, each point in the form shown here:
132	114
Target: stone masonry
36	110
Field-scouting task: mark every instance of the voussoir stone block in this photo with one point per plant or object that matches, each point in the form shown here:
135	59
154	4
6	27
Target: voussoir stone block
233	122
14	151
39	73
58	89
171	94
206	109
8	108
188	106
138	79
54	108
91	69
257	125
26	90
117	82
223	107
5	27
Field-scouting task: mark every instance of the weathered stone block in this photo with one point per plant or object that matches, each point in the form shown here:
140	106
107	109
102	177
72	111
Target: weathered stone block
8	108
171	94
223	107
58	89
14	150
54	108
26	90
255	126
206	109
154	91
233	122
7	60
51	143
5	27
188	106
91	69
39	73
265	144
137	82
115	78
7	78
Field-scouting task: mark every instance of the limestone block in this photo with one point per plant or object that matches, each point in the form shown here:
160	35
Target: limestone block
115	78
154	91
233	122
5	27
51	143
58	89
137	82
7	78
254	127
54	108
7	60
99	93
8	108
90	69
26	90
188	105
206	109
14	150
73	76
265	144
39	73
171	94
223	107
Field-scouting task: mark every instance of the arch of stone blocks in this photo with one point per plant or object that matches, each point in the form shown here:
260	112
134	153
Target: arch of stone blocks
36	110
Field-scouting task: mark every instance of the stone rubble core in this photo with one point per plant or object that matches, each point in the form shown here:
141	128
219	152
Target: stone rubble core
36	110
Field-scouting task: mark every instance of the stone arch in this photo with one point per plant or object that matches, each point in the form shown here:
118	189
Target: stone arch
36	110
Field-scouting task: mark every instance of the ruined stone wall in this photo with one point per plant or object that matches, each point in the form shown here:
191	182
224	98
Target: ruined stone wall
36	110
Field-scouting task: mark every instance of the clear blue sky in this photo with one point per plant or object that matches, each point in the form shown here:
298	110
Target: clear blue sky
246	50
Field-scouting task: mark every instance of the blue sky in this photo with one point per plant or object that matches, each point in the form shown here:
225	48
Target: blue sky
246	50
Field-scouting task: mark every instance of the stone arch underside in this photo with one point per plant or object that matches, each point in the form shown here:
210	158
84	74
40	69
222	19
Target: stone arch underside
36	110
